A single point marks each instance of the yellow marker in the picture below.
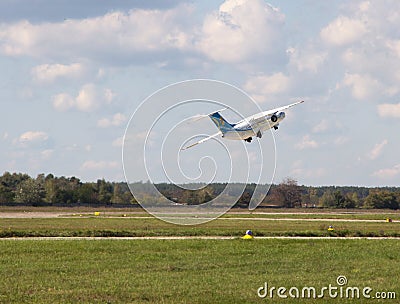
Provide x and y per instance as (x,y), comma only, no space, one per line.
(330,228)
(97,213)
(248,235)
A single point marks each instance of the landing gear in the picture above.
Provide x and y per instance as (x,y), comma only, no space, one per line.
(259,134)
(275,127)
(248,139)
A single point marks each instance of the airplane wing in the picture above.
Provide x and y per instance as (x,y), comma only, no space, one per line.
(201,141)
(201,116)
(273,111)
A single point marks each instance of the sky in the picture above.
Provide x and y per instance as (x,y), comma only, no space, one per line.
(74,72)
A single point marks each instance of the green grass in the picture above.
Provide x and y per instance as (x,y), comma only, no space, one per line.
(189,271)
(105,226)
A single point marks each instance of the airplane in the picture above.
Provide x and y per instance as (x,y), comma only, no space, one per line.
(246,128)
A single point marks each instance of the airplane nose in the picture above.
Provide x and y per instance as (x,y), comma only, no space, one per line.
(282,115)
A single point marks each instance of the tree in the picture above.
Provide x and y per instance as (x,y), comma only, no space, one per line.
(382,200)
(289,193)
(327,199)
(341,201)
(50,190)
(29,191)
(117,195)
(336,199)
(354,198)
(6,194)
(11,181)
(104,191)
(65,193)
(87,194)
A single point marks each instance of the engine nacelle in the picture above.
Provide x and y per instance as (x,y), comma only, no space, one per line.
(277,117)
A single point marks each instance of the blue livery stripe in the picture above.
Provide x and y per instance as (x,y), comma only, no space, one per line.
(221,123)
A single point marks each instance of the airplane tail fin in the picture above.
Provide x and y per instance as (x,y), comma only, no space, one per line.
(220,122)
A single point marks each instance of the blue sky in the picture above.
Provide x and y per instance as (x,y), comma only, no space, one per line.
(73,72)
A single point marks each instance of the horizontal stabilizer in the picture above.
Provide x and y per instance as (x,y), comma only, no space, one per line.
(201,141)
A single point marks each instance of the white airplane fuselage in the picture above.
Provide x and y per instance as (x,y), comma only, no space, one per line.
(254,125)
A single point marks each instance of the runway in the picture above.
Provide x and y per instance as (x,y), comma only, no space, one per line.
(28,215)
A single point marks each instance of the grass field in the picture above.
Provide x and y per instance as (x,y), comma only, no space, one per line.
(118,226)
(190,271)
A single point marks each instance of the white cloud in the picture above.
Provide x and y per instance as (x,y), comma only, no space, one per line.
(321,126)
(150,138)
(46,154)
(108,95)
(117,120)
(15,40)
(240,30)
(138,30)
(306,143)
(100,73)
(364,6)
(342,31)
(370,54)
(387,173)
(33,136)
(260,87)
(63,102)
(89,99)
(389,110)
(377,150)
(118,142)
(362,86)
(306,60)
(302,173)
(32,139)
(341,140)
(298,171)
(50,72)
(394,46)
(99,165)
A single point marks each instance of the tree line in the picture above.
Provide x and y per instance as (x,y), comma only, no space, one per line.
(19,188)
(47,189)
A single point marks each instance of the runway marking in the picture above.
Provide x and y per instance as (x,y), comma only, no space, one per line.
(31,215)
(305,219)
